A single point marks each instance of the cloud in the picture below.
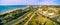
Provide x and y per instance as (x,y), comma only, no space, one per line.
(29,2)
(18,2)
(47,2)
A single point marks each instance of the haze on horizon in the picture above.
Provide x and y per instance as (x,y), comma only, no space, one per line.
(29,2)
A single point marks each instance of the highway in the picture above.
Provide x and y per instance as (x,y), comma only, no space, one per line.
(30,18)
(23,20)
(13,21)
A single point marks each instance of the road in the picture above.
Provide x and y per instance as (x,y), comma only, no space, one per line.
(25,22)
(30,18)
(13,21)
(54,20)
(23,19)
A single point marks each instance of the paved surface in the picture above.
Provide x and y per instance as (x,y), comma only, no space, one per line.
(54,20)
(10,23)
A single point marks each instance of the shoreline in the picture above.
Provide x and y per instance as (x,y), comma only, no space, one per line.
(8,11)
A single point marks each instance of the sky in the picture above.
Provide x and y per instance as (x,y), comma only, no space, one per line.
(29,2)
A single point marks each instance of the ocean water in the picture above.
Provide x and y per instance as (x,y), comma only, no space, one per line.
(10,7)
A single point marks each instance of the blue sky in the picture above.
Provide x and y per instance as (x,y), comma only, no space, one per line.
(29,2)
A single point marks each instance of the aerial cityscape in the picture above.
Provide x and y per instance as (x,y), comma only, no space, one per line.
(29,12)
(32,15)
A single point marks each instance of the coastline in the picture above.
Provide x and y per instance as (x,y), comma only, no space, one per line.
(12,10)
